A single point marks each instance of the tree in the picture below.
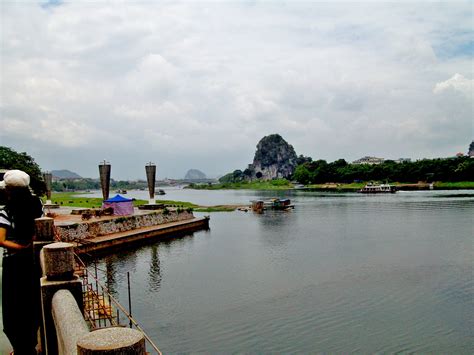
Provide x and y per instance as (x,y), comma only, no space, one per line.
(302,174)
(10,159)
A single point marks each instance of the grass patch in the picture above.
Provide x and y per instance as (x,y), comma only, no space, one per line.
(337,187)
(172,203)
(215,209)
(74,199)
(454,185)
(277,184)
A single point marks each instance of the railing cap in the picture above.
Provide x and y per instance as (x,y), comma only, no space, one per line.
(114,338)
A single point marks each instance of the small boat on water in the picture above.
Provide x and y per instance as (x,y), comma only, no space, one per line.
(378,189)
(121,191)
(160,192)
(272,204)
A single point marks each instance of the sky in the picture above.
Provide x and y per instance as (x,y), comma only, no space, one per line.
(196,85)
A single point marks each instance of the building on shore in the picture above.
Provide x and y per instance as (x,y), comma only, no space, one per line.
(369,160)
(403,160)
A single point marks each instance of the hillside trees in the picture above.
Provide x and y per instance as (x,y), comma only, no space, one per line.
(449,170)
(10,159)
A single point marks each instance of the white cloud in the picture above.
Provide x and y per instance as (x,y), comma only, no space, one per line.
(198,83)
(458,83)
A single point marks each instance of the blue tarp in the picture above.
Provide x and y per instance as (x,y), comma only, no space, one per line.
(118,198)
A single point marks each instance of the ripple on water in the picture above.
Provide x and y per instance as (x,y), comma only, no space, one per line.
(393,311)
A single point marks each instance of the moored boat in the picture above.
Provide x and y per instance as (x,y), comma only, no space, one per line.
(273,204)
(258,206)
(378,188)
(280,204)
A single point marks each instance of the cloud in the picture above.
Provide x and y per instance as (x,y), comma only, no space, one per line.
(197,84)
(457,83)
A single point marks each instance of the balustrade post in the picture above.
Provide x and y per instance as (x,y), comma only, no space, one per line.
(58,262)
(112,341)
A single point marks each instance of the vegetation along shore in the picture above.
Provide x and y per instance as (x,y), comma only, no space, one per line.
(330,186)
(74,199)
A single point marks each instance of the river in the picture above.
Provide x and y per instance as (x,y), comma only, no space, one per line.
(340,273)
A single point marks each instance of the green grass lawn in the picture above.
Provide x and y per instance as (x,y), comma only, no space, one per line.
(454,185)
(74,199)
(337,187)
(358,186)
(278,184)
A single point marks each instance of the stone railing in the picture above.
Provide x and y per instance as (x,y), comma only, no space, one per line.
(91,229)
(63,329)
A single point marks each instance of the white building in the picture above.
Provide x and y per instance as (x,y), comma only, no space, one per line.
(369,160)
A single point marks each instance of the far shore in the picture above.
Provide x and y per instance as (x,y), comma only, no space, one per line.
(332,186)
(354,187)
(74,198)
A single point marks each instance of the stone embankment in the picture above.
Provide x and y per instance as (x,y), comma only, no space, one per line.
(112,232)
(91,229)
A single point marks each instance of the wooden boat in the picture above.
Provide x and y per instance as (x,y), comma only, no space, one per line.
(378,189)
(273,204)
(258,206)
(280,204)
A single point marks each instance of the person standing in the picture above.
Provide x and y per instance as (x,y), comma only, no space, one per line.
(20,284)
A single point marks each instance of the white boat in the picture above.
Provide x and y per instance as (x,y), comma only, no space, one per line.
(378,189)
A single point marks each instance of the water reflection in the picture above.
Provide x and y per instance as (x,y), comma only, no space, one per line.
(111,272)
(154,273)
(114,267)
(341,273)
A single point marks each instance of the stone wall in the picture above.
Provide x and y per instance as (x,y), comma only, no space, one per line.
(87,230)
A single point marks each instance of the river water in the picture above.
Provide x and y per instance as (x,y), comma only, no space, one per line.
(340,273)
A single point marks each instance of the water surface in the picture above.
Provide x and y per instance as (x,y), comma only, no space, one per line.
(340,273)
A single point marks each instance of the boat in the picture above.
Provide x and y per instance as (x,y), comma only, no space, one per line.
(257,206)
(160,192)
(280,204)
(273,204)
(378,189)
(121,191)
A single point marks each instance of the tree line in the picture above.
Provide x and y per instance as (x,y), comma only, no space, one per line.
(94,184)
(429,170)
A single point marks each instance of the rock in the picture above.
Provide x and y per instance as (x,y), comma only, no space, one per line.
(65,174)
(274,159)
(194,174)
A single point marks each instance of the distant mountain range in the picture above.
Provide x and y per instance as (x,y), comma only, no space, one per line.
(65,174)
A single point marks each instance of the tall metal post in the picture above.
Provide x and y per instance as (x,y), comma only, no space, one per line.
(104,171)
(151,178)
(48,179)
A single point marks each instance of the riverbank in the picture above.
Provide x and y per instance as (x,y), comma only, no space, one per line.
(114,241)
(103,233)
(277,184)
(407,186)
(74,199)
(282,184)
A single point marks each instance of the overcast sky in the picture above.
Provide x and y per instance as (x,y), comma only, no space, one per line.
(197,84)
